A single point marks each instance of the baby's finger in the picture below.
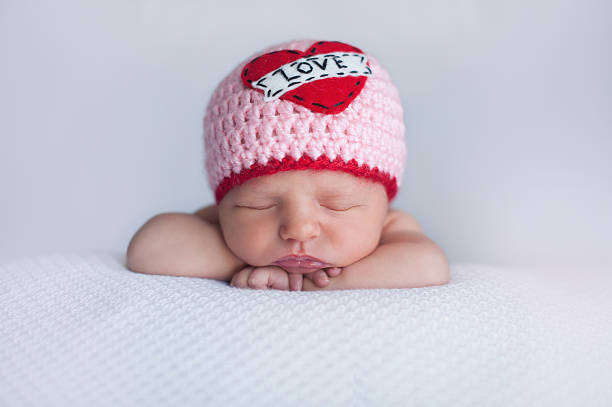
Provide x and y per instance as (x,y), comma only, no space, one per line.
(320,278)
(260,279)
(295,282)
(240,279)
(278,278)
(334,271)
(309,276)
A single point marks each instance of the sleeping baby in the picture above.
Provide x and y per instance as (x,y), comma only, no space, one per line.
(305,151)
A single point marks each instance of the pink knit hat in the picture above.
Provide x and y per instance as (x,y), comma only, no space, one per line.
(305,104)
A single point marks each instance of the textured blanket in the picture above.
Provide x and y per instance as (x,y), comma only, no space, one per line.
(80,329)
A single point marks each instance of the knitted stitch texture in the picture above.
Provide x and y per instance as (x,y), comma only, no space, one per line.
(246,137)
(80,329)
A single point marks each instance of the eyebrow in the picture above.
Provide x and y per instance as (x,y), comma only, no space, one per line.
(327,193)
(340,190)
(339,193)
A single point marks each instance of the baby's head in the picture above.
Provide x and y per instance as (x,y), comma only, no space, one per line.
(304,149)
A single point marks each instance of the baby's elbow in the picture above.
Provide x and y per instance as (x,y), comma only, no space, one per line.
(136,256)
(145,247)
(437,264)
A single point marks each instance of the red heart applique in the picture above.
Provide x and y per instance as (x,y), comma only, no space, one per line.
(328,77)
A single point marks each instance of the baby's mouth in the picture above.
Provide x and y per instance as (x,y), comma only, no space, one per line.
(300,264)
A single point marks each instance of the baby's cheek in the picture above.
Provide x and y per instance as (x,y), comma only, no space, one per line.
(356,241)
(250,243)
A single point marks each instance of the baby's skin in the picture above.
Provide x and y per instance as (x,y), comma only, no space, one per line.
(333,216)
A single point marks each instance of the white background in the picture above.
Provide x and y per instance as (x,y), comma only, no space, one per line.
(507,108)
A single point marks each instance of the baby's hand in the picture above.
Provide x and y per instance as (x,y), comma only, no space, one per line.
(262,278)
(276,277)
(321,277)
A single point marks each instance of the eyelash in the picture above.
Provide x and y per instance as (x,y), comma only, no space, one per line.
(251,207)
(339,210)
(269,207)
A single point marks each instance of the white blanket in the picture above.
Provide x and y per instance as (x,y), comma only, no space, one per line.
(79,329)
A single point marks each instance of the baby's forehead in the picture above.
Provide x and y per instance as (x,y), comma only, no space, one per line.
(327,181)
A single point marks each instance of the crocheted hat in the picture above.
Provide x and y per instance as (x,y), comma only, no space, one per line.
(305,104)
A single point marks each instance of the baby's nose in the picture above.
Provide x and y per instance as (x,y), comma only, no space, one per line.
(300,228)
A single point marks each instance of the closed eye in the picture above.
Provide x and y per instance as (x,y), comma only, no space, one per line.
(335,209)
(254,207)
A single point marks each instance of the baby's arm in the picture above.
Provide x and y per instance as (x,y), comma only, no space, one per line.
(181,244)
(405,258)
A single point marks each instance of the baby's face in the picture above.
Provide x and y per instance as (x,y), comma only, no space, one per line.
(330,215)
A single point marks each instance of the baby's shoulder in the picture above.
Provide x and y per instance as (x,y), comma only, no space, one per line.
(400,226)
(209,213)
(398,221)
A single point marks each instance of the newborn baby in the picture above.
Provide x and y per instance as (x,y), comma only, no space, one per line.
(304,151)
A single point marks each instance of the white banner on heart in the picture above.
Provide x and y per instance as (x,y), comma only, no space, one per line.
(308,69)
